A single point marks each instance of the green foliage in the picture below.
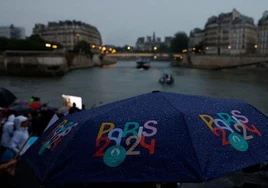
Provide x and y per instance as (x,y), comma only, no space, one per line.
(12,44)
(163,48)
(199,47)
(36,37)
(119,49)
(34,42)
(83,47)
(179,42)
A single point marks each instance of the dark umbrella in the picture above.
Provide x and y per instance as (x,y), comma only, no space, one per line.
(6,97)
(155,137)
(21,109)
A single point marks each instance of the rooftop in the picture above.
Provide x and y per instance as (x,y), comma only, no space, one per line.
(263,19)
(66,22)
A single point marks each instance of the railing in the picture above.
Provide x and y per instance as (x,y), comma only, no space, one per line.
(30,53)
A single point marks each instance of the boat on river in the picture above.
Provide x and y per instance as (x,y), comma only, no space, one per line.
(166,79)
(143,63)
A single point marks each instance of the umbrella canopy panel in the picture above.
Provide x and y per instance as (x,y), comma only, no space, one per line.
(6,97)
(156,137)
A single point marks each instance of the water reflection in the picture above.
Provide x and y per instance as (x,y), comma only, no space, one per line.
(123,80)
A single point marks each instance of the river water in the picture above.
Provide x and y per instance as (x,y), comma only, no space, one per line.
(123,80)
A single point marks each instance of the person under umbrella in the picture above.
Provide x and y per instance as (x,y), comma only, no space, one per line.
(35,103)
(20,135)
(74,109)
(8,168)
(40,123)
(1,115)
(7,133)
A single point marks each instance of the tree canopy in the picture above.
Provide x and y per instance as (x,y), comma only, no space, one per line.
(179,42)
(34,42)
(36,37)
(83,46)
(13,44)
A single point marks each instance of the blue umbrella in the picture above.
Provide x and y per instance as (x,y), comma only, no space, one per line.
(155,137)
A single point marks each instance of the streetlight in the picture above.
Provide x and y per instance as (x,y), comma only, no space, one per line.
(128,48)
(93,46)
(155,48)
(77,37)
(54,46)
(255,48)
(48,45)
(229,47)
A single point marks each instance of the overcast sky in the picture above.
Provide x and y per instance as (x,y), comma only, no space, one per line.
(121,22)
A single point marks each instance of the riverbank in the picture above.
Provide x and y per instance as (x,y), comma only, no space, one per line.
(219,62)
(47,63)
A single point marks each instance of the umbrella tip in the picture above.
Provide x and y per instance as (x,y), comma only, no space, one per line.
(155,91)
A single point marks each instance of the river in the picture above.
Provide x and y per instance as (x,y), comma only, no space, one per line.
(123,80)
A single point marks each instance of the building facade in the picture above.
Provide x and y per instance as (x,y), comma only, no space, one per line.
(243,36)
(69,33)
(196,37)
(167,41)
(140,44)
(152,43)
(12,32)
(230,33)
(262,44)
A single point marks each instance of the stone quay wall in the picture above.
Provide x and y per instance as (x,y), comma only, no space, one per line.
(221,62)
(40,63)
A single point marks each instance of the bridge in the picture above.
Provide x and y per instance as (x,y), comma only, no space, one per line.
(199,61)
(153,56)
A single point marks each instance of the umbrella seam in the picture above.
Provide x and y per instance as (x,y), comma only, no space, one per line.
(56,158)
(252,155)
(67,144)
(190,137)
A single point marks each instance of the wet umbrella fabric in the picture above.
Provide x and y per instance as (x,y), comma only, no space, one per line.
(155,137)
(6,97)
(21,109)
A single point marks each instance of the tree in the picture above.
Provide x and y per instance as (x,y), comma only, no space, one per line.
(3,43)
(163,48)
(36,37)
(199,47)
(179,42)
(119,49)
(13,44)
(84,47)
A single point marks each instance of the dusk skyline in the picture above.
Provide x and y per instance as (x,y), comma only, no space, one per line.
(121,22)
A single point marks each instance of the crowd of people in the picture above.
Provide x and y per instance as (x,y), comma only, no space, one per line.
(16,129)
